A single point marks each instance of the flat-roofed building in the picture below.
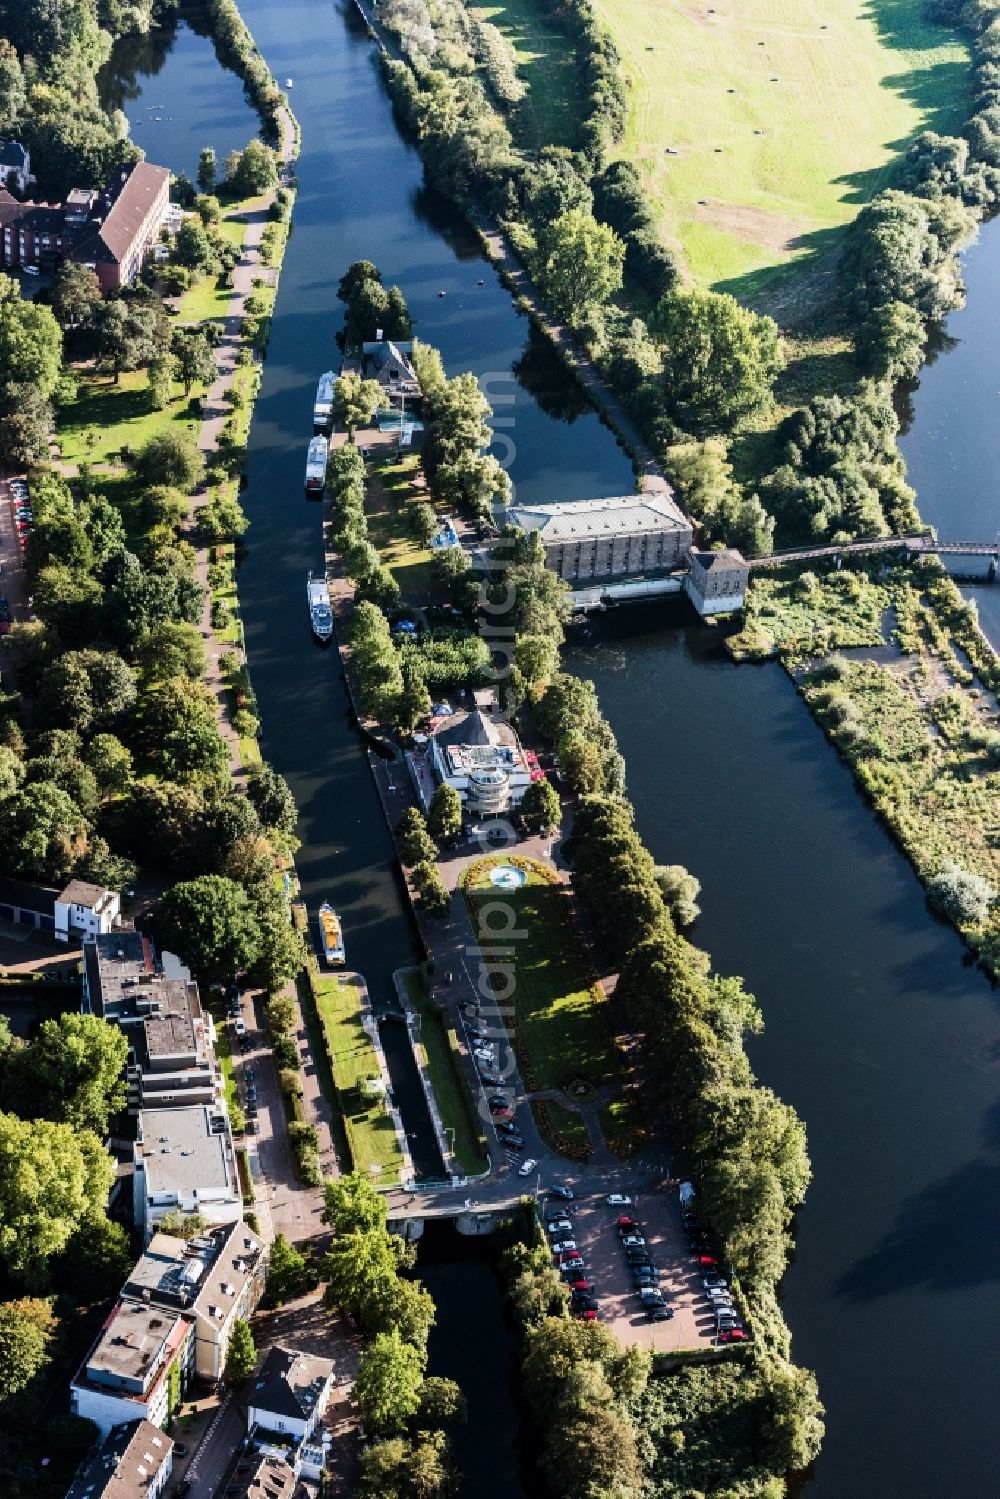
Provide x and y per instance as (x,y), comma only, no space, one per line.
(621,536)
(133,1462)
(481,758)
(137,1369)
(217,1278)
(183,1159)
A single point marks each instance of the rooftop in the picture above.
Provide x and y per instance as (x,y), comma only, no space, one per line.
(262,1477)
(135,1343)
(94,897)
(619,515)
(206,1274)
(125,205)
(474,741)
(13,154)
(31,897)
(290,1383)
(722,561)
(128,1458)
(185,1150)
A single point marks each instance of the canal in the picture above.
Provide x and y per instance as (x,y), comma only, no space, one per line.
(877,1030)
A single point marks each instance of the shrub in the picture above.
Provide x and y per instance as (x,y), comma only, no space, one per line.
(963,897)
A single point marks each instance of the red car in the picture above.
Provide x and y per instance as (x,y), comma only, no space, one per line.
(581,1285)
(732,1335)
(588,1316)
(707,1259)
(626,1222)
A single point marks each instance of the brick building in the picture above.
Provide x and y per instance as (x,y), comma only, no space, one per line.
(610,538)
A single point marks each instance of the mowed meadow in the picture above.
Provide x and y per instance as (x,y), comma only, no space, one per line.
(762,125)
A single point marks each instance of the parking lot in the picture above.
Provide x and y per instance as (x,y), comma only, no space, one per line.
(678,1273)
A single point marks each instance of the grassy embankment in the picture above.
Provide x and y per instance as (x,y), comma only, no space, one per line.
(438,1049)
(391,488)
(550,113)
(919,725)
(371,1133)
(561,1029)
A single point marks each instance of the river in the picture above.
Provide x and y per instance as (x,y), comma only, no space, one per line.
(877,1030)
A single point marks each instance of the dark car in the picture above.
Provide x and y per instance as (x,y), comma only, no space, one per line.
(584,1303)
(657,1313)
(249,1072)
(251,1109)
(563,1193)
(512,1142)
(251,1093)
(490,1078)
(505,1128)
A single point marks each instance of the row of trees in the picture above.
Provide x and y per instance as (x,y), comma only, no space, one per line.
(345,477)
(403,1411)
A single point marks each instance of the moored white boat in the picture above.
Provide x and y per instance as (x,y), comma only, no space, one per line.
(323,405)
(316,465)
(331,935)
(320,610)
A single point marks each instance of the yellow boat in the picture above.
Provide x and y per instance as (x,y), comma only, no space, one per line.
(330,935)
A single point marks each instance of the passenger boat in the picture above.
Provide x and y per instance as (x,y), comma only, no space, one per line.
(330,935)
(320,612)
(316,465)
(323,405)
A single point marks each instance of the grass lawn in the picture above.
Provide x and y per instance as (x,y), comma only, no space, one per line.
(106,417)
(206,298)
(563,1128)
(370,1131)
(551,112)
(454,1102)
(389,490)
(560,1026)
(785,115)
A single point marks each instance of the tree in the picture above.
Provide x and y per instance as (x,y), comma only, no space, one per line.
(207,169)
(195,360)
(414,700)
(181,1225)
(170,458)
(76,294)
(41,831)
(415,843)
(352,1205)
(423,522)
(193,248)
(253,172)
(680,891)
(432,893)
(408,1469)
(26,421)
(580,263)
(211,924)
(286,1271)
(595,1453)
(541,808)
(441,1403)
(537,659)
(242,1354)
(130,334)
(720,360)
(30,342)
(444,816)
(269,793)
(12,90)
(355,401)
(96,1260)
(965,898)
(387,1388)
(74,1071)
(891,341)
(26,1331)
(899,250)
(51,1178)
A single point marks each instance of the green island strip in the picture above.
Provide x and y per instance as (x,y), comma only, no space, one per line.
(354,1066)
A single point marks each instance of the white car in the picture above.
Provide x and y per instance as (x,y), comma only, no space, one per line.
(715,1283)
(564,1246)
(560,1226)
(634,1241)
(241,1027)
(618,1200)
(526,1167)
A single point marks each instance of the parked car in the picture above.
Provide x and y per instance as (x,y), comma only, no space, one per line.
(624,1223)
(506,1128)
(251,1110)
(657,1313)
(251,1093)
(582,1285)
(715,1282)
(241,1026)
(563,1193)
(512,1142)
(634,1241)
(498,1100)
(560,1226)
(708,1260)
(503,1116)
(565,1246)
(491,1079)
(588,1316)
(573,1262)
(250,1072)
(650,1293)
(527,1167)
(732,1335)
(618,1200)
